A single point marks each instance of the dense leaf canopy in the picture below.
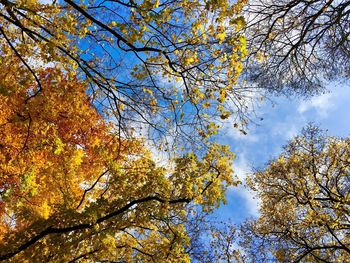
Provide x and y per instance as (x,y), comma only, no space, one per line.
(72,188)
(166,68)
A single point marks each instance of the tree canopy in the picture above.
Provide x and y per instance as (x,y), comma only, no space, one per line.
(303,209)
(305,203)
(89,90)
(296,46)
(72,189)
(167,67)
(92,91)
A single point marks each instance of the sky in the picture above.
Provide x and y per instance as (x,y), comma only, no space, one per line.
(282,120)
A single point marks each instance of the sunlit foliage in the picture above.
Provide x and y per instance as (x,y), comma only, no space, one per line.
(72,189)
(169,68)
(305,203)
(89,90)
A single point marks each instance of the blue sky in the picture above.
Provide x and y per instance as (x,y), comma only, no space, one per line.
(281,122)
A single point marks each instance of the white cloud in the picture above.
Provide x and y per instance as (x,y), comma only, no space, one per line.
(322,104)
(287,129)
(251,201)
(242,169)
(236,135)
(45,2)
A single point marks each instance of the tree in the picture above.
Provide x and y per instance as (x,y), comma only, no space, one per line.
(305,205)
(295,46)
(167,69)
(79,82)
(224,244)
(72,189)
(213,240)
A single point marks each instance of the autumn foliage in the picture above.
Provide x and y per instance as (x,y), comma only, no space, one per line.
(70,184)
(305,202)
(92,92)
(88,92)
(50,142)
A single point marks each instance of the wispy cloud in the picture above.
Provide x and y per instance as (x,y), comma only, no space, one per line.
(235,134)
(322,104)
(242,169)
